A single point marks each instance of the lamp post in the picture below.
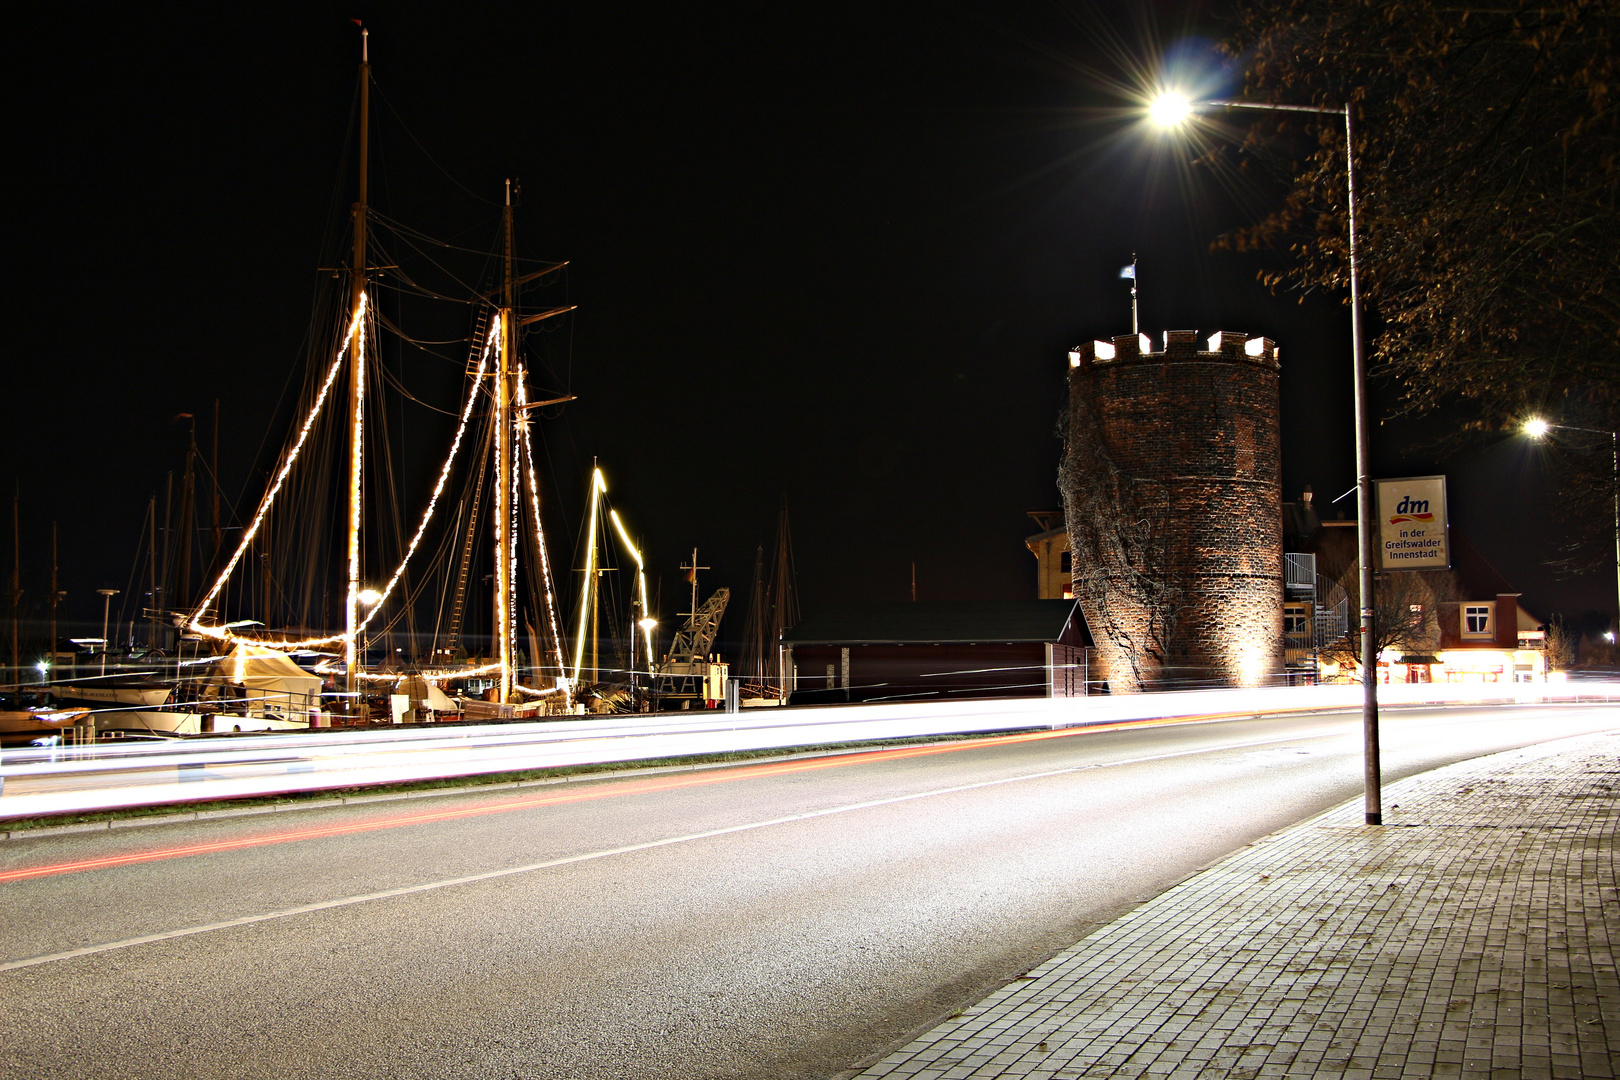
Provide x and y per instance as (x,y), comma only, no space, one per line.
(1537,429)
(106,609)
(1172,110)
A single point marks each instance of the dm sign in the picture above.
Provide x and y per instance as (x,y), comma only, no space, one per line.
(1412,524)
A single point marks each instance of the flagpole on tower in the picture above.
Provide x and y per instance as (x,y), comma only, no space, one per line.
(1135,327)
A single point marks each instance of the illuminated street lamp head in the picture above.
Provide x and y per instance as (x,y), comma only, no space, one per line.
(1169,109)
(1536,428)
(368,597)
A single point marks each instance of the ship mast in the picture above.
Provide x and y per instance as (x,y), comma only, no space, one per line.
(357,383)
(505,504)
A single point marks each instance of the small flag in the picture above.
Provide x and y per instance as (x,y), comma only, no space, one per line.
(1128,272)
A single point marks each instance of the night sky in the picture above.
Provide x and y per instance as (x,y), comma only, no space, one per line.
(832,252)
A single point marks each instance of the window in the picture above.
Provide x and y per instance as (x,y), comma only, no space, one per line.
(1295,619)
(1066,562)
(1477,620)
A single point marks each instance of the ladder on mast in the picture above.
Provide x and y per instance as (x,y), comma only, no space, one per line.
(458,605)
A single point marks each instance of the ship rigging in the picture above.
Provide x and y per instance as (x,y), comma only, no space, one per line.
(491,454)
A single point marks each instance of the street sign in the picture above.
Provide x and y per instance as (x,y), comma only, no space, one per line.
(1412,524)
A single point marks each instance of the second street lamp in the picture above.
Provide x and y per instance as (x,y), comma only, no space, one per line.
(1171,110)
(1538,429)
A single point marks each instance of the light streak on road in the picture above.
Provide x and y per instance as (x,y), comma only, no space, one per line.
(619,790)
(530,803)
(57,780)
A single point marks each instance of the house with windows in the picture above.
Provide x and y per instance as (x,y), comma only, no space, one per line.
(1467,623)
(1480,638)
(1054,566)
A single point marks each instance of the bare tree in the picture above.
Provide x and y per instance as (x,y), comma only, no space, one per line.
(1561,644)
(1406,612)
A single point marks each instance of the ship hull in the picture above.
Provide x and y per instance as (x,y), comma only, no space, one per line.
(146,695)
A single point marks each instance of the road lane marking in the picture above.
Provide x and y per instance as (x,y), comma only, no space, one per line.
(589,856)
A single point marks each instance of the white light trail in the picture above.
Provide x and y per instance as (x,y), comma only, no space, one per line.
(57,780)
(598,487)
(641,578)
(220,632)
(514,517)
(540,532)
(351,611)
(225,633)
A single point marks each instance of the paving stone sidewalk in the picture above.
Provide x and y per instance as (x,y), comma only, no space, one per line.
(1471,936)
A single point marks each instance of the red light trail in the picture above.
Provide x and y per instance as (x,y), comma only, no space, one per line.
(630,787)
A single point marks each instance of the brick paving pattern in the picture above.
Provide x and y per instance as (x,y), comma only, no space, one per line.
(1470,937)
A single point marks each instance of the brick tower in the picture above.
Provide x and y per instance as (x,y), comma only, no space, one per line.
(1171,485)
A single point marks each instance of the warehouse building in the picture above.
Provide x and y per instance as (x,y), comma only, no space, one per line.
(940,650)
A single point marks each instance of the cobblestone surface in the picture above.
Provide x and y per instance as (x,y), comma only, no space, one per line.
(1471,936)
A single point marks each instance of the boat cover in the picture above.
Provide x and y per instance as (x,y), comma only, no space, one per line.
(258,667)
(425,694)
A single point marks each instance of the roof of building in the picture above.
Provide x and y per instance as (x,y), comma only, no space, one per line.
(937,622)
(1480,580)
(1031,541)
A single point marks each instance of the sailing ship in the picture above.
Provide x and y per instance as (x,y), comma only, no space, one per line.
(491,458)
(255,647)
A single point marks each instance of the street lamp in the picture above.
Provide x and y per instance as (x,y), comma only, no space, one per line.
(1171,110)
(1537,428)
(106,608)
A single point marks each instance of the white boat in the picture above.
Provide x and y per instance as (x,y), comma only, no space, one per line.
(122,692)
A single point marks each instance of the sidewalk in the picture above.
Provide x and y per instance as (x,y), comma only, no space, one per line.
(1472,936)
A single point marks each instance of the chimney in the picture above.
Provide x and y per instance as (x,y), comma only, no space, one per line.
(1507,620)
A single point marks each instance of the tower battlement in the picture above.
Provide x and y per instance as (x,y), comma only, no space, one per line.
(1177,345)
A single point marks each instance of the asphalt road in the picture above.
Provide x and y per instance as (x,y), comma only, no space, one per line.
(660,926)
